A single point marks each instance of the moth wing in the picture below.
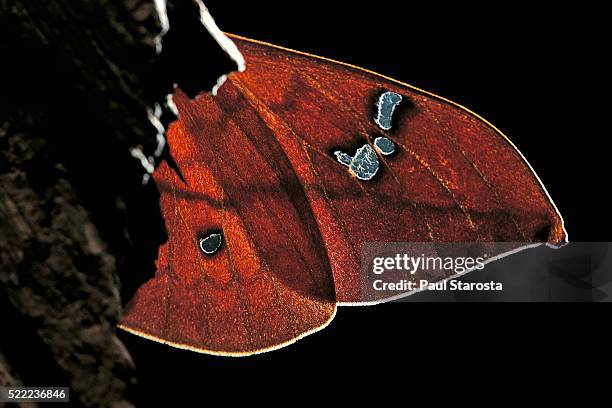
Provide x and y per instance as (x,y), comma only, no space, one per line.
(261,166)
(452,178)
(270,281)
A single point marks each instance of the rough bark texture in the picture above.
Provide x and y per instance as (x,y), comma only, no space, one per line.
(82,81)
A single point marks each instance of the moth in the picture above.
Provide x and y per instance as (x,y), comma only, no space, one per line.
(288,170)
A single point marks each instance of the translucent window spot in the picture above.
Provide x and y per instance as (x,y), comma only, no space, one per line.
(343,158)
(384,146)
(211,243)
(365,163)
(386,104)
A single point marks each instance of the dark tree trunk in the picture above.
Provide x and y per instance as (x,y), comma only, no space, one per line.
(83,97)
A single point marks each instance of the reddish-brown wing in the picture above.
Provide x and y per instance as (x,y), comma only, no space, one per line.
(260,167)
(270,281)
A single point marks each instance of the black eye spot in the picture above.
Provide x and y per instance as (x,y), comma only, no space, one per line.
(211,243)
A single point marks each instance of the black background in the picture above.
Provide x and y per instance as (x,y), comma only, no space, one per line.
(534,72)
